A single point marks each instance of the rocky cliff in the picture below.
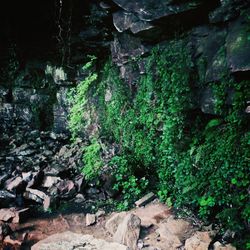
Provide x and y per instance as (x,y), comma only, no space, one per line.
(41,53)
(177,79)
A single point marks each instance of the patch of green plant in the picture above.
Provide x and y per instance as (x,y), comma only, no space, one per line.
(78,100)
(190,159)
(92,161)
(131,186)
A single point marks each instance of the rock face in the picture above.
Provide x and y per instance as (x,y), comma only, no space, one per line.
(70,241)
(150,10)
(128,231)
(216,32)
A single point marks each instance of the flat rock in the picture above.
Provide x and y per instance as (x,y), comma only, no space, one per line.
(152,214)
(145,199)
(128,231)
(177,227)
(70,241)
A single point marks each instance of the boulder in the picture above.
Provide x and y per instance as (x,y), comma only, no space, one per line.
(114,221)
(128,231)
(199,241)
(70,241)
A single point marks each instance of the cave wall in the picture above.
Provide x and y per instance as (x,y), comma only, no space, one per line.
(44,46)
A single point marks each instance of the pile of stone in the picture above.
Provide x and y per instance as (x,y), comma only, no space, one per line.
(40,170)
(150,227)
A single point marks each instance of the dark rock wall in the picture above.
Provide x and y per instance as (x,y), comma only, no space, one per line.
(45,43)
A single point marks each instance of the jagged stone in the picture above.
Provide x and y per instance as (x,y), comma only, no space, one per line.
(150,10)
(90,219)
(49,181)
(199,241)
(126,47)
(128,21)
(113,222)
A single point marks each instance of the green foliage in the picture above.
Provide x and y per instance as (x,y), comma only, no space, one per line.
(78,99)
(92,160)
(188,158)
(131,186)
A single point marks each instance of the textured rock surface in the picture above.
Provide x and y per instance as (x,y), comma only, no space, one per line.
(113,222)
(70,241)
(199,241)
(128,231)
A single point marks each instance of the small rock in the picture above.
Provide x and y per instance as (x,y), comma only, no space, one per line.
(79,198)
(14,183)
(145,199)
(199,241)
(6,214)
(128,231)
(90,219)
(219,246)
(49,181)
(66,188)
(100,213)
